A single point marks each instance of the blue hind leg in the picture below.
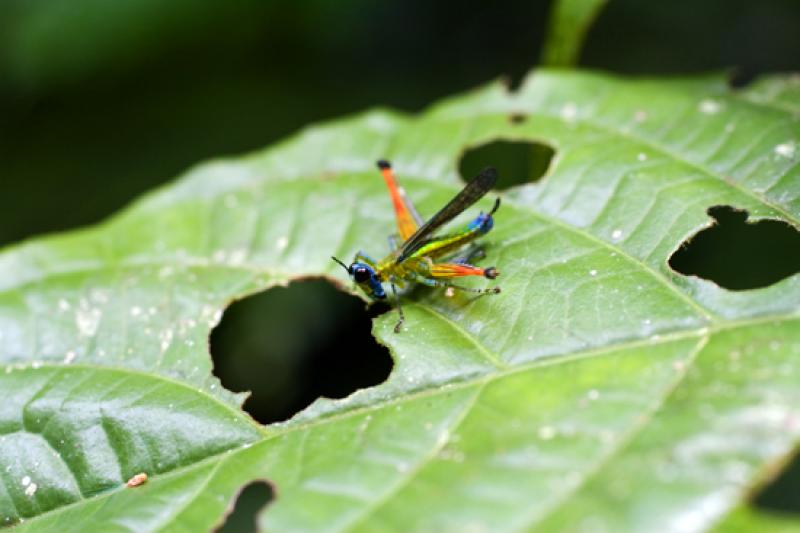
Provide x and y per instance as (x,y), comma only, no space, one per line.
(473,254)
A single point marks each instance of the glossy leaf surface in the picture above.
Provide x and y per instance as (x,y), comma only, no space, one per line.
(600,390)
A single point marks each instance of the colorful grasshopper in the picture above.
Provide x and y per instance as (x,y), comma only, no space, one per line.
(413,260)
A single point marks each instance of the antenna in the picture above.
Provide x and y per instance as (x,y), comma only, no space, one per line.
(343,265)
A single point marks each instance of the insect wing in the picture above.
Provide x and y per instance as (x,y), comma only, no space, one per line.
(474,191)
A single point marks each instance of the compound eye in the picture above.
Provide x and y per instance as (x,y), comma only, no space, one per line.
(360,274)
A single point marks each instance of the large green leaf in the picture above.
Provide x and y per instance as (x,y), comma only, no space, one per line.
(600,391)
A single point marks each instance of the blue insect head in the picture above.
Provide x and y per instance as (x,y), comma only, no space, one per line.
(365,277)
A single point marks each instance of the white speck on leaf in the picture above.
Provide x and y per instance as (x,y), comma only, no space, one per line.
(569,111)
(237,257)
(166,339)
(63,305)
(87,321)
(787,149)
(30,490)
(616,234)
(709,106)
(69,357)
(547,432)
(136,310)
(593,272)
(642,156)
(26,481)
(282,243)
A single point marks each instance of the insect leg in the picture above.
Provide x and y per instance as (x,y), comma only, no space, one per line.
(361,257)
(440,274)
(448,285)
(458,270)
(394,242)
(473,253)
(407,218)
(399,310)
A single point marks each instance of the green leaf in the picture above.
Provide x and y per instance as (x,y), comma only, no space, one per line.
(70,432)
(600,390)
(567,28)
(750,520)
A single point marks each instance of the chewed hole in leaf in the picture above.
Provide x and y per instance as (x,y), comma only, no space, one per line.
(517,162)
(291,345)
(243,518)
(741,77)
(740,255)
(783,493)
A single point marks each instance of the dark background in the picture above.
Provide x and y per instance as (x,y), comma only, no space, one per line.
(102,100)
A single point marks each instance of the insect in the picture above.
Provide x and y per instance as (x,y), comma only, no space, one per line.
(414,250)
(138,479)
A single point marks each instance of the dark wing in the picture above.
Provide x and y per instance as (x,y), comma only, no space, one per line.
(474,191)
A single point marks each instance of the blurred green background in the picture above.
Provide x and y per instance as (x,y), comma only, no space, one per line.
(102,100)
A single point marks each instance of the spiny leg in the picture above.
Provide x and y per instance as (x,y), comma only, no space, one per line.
(448,285)
(399,310)
(458,270)
(407,218)
(440,275)
(472,254)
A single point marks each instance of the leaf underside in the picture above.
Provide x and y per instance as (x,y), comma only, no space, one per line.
(599,391)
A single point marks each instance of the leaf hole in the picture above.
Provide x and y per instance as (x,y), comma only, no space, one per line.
(517,118)
(251,500)
(741,77)
(782,494)
(517,162)
(737,254)
(291,345)
(513,81)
